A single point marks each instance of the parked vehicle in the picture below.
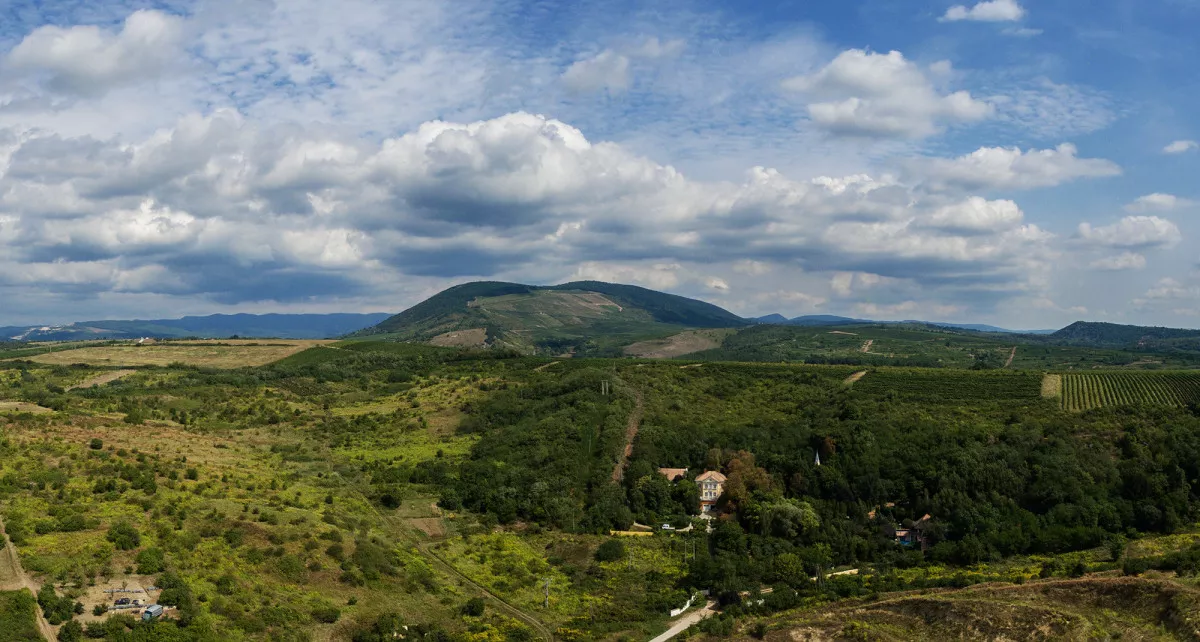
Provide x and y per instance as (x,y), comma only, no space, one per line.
(122,601)
(152,612)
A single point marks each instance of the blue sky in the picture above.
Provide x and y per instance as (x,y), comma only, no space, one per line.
(1025,164)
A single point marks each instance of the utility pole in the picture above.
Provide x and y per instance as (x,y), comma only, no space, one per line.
(604,388)
(546,604)
(631,560)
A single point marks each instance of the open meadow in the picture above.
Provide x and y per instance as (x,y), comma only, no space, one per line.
(208,354)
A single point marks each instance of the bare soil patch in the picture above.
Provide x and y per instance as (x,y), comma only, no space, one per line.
(853,334)
(208,354)
(431,526)
(1011,355)
(854,377)
(677,345)
(101,379)
(461,338)
(10,571)
(134,587)
(1052,386)
(867,346)
(595,300)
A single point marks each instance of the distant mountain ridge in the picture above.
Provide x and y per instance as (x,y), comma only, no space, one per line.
(829,319)
(1101,334)
(280,326)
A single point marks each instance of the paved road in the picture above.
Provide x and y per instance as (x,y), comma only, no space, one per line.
(686,620)
(20,579)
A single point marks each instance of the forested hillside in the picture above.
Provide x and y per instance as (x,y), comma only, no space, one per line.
(1112,335)
(586,318)
(928,346)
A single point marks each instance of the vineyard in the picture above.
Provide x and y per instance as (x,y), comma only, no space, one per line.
(938,385)
(1094,390)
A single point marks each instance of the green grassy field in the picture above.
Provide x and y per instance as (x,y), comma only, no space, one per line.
(208,354)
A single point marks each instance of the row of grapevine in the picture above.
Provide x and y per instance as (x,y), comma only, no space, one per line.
(1083,391)
(934,385)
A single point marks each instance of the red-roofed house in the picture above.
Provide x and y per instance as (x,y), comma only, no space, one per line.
(712,484)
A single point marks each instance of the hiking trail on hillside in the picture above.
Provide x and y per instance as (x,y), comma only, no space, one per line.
(631,429)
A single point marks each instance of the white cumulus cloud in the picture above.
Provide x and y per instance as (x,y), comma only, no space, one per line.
(87,59)
(1158,202)
(303,214)
(1132,232)
(976,214)
(1181,146)
(863,93)
(988,11)
(1011,168)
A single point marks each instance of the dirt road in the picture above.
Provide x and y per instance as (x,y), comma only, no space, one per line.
(14,578)
(851,571)
(867,346)
(1010,357)
(542,629)
(854,377)
(101,379)
(686,620)
(546,365)
(631,429)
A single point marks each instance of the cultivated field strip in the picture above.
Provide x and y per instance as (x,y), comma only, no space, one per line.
(937,385)
(1084,391)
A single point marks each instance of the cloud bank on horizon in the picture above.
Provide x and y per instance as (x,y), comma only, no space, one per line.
(991,162)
